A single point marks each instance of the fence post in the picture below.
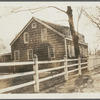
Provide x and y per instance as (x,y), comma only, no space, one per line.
(88,63)
(36,76)
(65,69)
(79,65)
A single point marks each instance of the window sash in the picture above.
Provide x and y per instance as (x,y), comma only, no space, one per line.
(71,51)
(16,56)
(33,25)
(30,54)
(44,34)
(51,52)
(26,37)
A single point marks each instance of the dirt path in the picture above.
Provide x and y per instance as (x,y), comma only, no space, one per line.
(69,86)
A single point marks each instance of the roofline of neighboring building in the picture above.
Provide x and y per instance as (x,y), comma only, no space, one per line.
(79,41)
(6,54)
(40,21)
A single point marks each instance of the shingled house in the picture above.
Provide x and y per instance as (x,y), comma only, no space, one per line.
(47,40)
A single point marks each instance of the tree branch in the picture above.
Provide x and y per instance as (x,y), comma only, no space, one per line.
(79,16)
(91,19)
(57,9)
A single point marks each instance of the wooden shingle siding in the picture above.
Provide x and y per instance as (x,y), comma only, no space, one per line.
(39,47)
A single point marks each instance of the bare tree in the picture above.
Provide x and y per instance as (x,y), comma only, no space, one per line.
(79,11)
(2,46)
(96,46)
(94,18)
(73,32)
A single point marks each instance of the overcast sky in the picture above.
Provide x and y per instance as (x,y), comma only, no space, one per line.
(12,23)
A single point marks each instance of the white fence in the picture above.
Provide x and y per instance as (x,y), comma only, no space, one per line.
(93,61)
(36,72)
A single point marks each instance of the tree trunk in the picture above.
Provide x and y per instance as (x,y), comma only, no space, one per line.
(73,33)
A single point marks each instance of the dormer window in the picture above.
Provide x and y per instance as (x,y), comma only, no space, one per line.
(33,25)
(44,34)
(26,37)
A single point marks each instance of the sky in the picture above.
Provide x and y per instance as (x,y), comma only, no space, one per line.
(12,23)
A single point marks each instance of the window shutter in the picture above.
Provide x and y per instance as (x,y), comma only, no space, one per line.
(73,52)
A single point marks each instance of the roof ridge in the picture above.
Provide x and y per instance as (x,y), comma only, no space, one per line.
(18,34)
(51,22)
(54,24)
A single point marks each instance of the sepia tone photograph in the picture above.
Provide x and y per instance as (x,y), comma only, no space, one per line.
(49,47)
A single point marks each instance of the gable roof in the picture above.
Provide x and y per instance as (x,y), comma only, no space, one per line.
(5,54)
(49,26)
(58,29)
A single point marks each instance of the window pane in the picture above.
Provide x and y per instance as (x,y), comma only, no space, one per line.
(44,34)
(51,52)
(73,52)
(30,54)
(33,25)
(69,50)
(16,54)
(26,37)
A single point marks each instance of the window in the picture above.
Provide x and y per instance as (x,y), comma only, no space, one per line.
(30,54)
(71,50)
(44,34)
(26,37)
(16,56)
(81,37)
(81,50)
(51,52)
(86,52)
(33,25)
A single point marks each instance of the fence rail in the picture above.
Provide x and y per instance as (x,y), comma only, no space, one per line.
(16,63)
(16,75)
(36,71)
(16,87)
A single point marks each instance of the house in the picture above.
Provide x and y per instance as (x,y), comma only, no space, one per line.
(49,41)
(6,57)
